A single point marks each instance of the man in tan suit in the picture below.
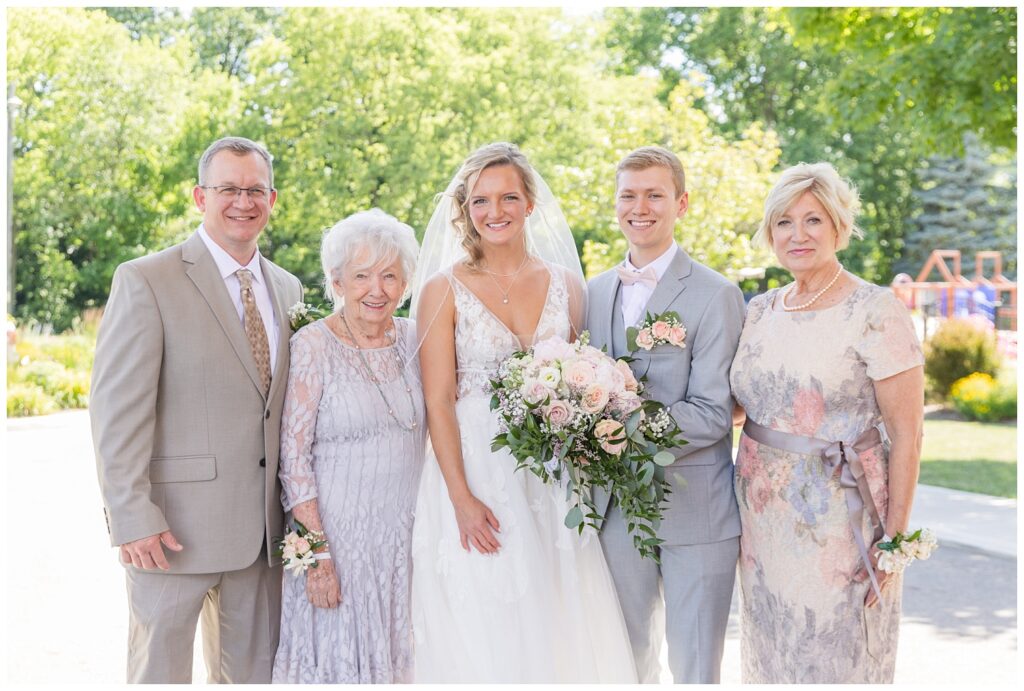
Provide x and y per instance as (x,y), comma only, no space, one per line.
(187,390)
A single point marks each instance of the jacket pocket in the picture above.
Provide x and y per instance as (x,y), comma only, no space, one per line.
(182,469)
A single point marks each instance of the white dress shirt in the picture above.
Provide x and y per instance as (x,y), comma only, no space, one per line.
(227,265)
(635,297)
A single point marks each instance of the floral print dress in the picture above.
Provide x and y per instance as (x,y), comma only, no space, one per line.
(803,618)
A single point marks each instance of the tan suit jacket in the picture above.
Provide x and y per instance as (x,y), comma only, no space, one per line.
(184,438)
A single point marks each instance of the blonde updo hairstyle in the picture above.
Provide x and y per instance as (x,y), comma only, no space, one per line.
(836,194)
(489,156)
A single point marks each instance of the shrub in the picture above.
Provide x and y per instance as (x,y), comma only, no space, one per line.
(74,352)
(982,398)
(69,389)
(956,350)
(24,399)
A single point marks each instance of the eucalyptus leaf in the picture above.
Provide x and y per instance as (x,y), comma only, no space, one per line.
(574,518)
(664,458)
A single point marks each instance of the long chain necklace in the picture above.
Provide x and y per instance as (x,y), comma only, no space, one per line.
(795,308)
(408,427)
(514,275)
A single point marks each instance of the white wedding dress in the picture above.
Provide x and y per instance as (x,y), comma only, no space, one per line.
(543,608)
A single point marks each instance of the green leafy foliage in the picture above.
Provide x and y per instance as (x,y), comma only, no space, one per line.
(980,397)
(957,349)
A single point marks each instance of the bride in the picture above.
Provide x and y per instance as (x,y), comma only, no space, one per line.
(502,590)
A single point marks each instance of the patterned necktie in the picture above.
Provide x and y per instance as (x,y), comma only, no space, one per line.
(254,330)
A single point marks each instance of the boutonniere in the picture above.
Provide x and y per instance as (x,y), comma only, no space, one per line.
(302,313)
(657,329)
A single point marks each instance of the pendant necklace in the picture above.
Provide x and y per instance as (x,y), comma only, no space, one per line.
(407,426)
(514,275)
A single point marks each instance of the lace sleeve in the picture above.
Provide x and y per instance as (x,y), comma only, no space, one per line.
(298,421)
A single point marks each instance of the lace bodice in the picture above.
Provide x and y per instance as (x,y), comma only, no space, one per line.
(482,340)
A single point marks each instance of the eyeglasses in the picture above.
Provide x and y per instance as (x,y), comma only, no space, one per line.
(232,192)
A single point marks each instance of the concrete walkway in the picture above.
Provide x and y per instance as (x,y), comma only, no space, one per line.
(67,619)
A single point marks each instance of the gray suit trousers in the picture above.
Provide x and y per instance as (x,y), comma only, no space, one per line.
(697,582)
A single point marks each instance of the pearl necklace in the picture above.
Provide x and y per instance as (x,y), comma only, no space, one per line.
(409,426)
(795,308)
(514,274)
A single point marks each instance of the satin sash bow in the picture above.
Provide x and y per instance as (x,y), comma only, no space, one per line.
(845,457)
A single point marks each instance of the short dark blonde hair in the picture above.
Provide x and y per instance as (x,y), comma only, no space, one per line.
(239,146)
(649,156)
(489,156)
(835,193)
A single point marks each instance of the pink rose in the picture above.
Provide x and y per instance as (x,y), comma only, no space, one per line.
(595,398)
(557,413)
(645,339)
(579,374)
(534,392)
(554,348)
(612,435)
(660,330)
(302,545)
(593,355)
(677,336)
(626,403)
(627,375)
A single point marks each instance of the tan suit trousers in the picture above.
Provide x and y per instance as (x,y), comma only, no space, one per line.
(241,614)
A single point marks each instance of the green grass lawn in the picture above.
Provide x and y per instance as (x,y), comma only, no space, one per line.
(970,456)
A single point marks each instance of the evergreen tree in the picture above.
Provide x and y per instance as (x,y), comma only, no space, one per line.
(966,203)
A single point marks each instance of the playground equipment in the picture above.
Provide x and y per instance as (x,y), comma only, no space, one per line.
(956,295)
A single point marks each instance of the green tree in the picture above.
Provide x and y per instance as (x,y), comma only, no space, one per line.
(967,203)
(938,72)
(759,74)
(89,149)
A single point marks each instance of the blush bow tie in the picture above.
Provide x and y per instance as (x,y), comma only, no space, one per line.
(646,277)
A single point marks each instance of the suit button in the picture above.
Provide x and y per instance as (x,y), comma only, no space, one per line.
(263,463)
(266,415)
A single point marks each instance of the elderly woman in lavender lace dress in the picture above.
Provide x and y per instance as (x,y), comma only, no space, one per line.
(352,445)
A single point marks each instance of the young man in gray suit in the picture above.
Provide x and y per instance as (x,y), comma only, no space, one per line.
(187,390)
(701,525)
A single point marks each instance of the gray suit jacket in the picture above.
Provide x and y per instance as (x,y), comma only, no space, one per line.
(693,382)
(184,438)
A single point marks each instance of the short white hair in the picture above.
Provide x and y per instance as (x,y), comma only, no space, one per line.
(837,195)
(384,236)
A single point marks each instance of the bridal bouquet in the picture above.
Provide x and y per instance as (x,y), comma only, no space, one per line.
(574,416)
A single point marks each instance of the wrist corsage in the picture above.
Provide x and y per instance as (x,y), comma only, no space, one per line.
(296,549)
(901,550)
(657,330)
(302,313)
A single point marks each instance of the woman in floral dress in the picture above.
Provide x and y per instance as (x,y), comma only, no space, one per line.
(821,364)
